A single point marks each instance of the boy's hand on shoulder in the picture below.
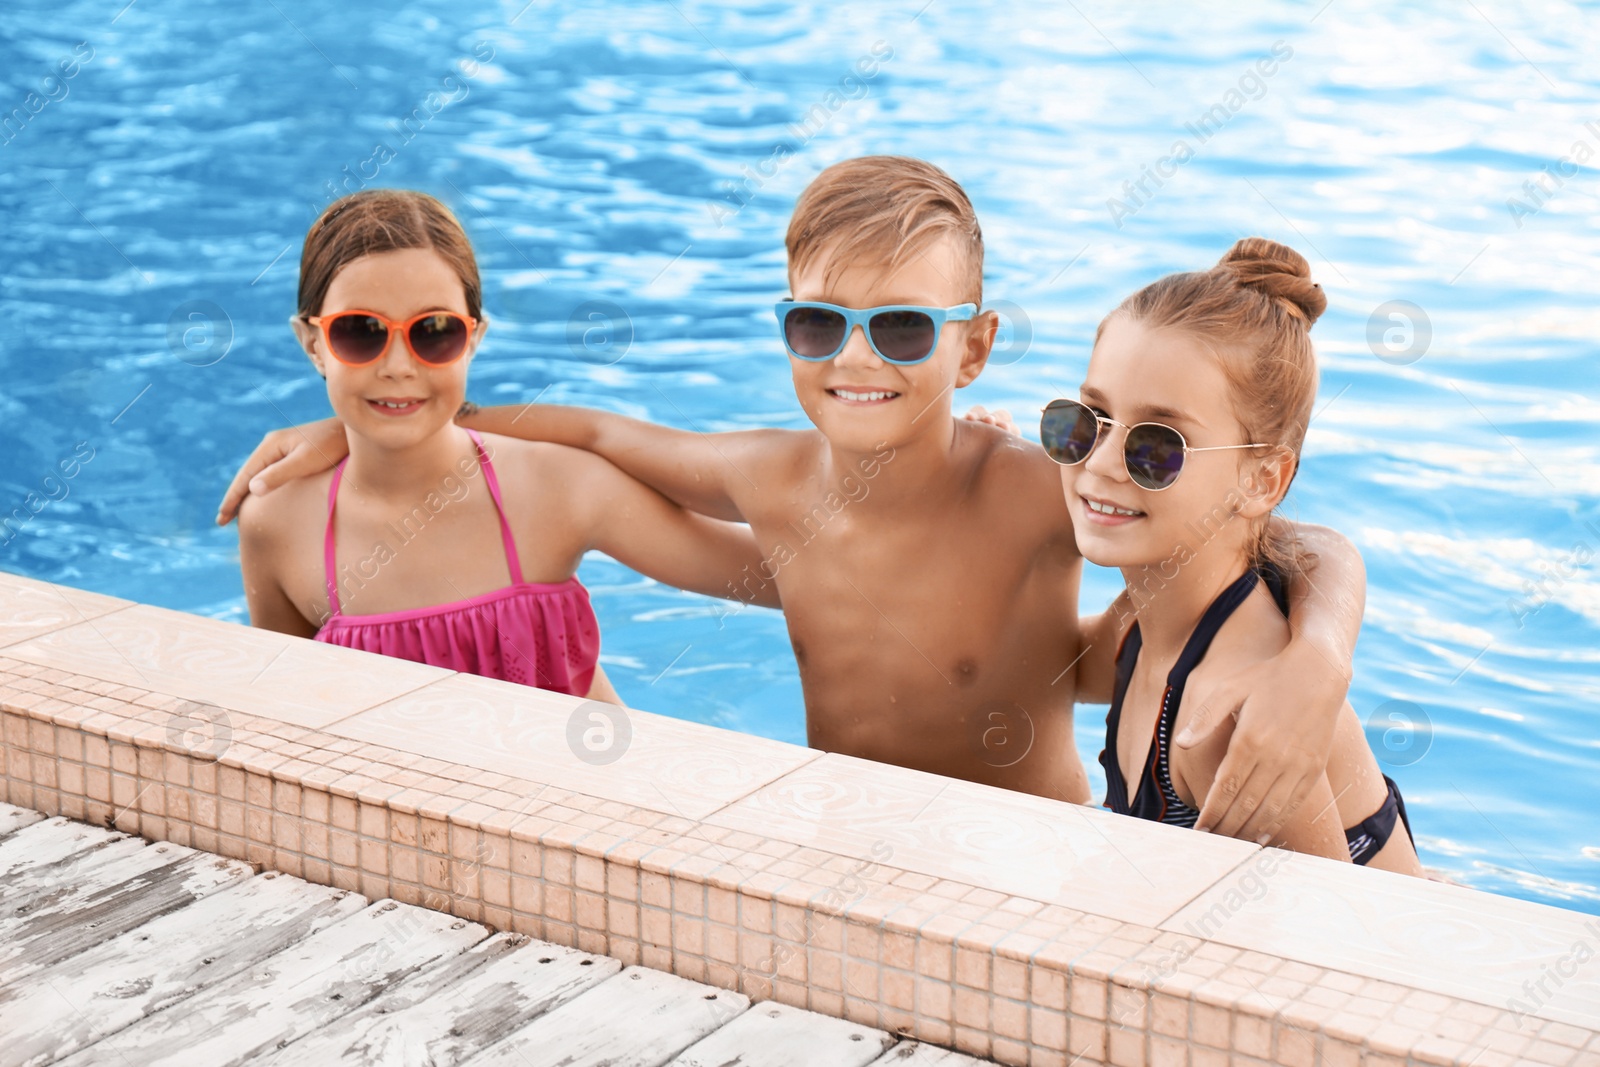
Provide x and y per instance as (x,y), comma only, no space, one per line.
(1286,709)
(281,457)
(1000,418)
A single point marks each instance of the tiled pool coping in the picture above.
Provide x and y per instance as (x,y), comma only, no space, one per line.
(1008,926)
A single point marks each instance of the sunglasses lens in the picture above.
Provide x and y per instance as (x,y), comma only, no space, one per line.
(1155,455)
(1068,430)
(439,338)
(903,336)
(357,338)
(813,333)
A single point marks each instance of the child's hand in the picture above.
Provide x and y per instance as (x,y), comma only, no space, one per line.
(1000,418)
(1273,759)
(281,457)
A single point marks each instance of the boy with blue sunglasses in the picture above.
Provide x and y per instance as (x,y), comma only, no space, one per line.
(927,565)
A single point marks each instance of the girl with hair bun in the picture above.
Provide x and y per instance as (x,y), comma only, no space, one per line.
(431,542)
(1184,439)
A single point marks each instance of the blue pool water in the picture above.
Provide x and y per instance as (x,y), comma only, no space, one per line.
(625,154)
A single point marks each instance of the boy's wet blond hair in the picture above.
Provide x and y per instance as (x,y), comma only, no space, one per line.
(885,209)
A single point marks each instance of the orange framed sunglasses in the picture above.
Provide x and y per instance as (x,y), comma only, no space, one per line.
(358,337)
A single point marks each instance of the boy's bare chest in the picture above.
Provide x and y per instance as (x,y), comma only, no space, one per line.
(957,597)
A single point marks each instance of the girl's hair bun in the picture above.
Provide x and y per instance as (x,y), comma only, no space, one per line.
(1279,272)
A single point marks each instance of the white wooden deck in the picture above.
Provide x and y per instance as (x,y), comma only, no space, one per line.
(120,952)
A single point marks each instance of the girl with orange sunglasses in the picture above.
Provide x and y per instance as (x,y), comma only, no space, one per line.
(430,542)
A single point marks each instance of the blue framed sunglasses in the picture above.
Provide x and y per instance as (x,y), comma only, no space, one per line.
(899,333)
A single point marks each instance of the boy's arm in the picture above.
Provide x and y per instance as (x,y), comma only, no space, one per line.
(1286,707)
(281,457)
(1313,828)
(707,473)
(696,470)
(640,528)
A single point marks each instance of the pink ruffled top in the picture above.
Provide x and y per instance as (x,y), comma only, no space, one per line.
(542,634)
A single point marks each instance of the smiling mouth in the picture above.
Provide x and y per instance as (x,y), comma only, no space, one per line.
(863,396)
(395,407)
(1101,507)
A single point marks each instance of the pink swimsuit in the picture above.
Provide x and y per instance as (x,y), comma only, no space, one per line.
(536,633)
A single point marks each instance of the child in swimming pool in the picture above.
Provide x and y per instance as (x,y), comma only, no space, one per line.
(1184,438)
(431,542)
(927,564)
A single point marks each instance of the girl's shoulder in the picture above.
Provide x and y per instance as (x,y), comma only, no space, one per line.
(1256,632)
(289,506)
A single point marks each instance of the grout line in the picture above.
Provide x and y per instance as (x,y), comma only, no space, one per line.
(1255,855)
(36,634)
(328,728)
(812,755)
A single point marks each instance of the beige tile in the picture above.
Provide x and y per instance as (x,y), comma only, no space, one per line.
(1008,842)
(1409,931)
(238,668)
(670,766)
(30,608)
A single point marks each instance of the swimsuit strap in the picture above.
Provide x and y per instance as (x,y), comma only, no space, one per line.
(1119,792)
(1194,650)
(1157,761)
(513,561)
(1206,630)
(327,541)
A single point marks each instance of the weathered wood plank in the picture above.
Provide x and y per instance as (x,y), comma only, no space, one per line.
(453,1011)
(13,818)
(50,842)
(916,1054)
(28,888)
(95,902)
(291,993)
(50,867)
(640,1018)
(777,1035)
(98,992)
